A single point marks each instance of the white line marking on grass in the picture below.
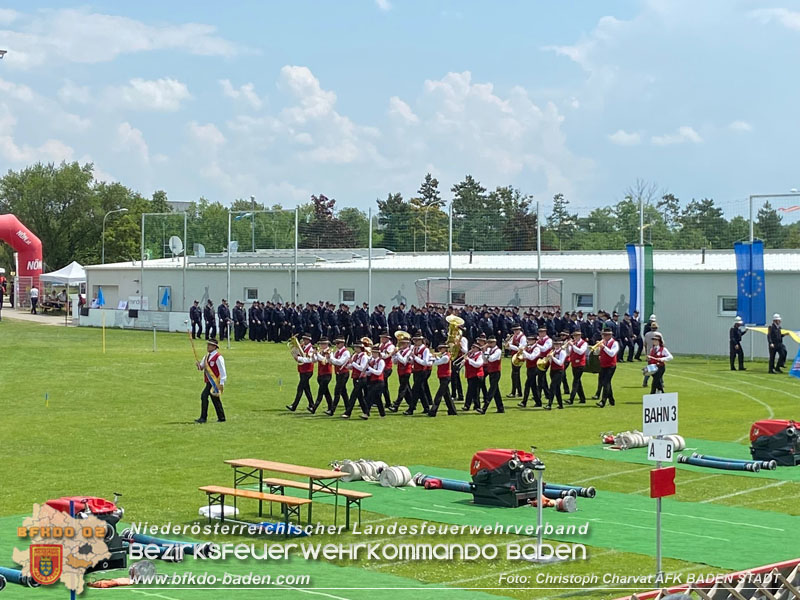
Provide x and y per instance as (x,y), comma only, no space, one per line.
(517,570)
(316,593)
(780,499)
(581,481)
(650,528)
(708,519)
(154,595)
(735,391)
(747,491)
(441,512)
(742,382)
(377,520)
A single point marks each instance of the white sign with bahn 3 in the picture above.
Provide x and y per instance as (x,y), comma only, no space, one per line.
(660,414)
(659,450)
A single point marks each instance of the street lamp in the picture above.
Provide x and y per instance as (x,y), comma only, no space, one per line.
(792,194)
(111,212)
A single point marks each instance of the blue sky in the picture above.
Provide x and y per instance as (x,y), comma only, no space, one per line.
(357,99)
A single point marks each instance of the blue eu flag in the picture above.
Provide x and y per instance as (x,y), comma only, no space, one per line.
(750,283)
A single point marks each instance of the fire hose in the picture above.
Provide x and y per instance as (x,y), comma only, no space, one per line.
(15,576)
(767,465)
(727,465)
(583,492)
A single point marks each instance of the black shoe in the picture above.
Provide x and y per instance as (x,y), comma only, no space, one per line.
(742,369)
(291,408)
(630,360)
(480,411)
(407,413)
(582,401)
(392,408)
(639,359)
(221,420)
(560,407)
(600,404)
(511,395)
(773,372)
(431,414)
(465,407)
(388,406)
(312,409)
(779,370)
(595,397)
(329,413)
(548,407)
(502,410)
(733,368)
(537,405)
(522,404)
(363,416)
(611,403)
(345,416)
(570,401)
(199,420)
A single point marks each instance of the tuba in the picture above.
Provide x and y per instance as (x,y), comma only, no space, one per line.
(294,347)
(454,334)
(517,358)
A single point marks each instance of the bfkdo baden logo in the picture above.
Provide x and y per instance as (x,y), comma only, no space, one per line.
(46,562)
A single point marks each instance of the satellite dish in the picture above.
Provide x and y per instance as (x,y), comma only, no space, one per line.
(234,247)
(199,250)
(175,245)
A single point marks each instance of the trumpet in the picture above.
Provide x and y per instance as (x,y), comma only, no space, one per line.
(325,354)
(596,347)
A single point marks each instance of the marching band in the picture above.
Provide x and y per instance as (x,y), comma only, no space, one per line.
(547,360)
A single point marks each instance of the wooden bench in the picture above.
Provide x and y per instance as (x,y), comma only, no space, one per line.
(350,496)
(289,504)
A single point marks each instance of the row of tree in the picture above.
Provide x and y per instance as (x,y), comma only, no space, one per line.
(66,207)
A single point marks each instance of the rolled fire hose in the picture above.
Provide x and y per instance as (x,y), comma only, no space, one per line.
(395,477)
(766,465)
(725,465)
(368,470)
(556,494)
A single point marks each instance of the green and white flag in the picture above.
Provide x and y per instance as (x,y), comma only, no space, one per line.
(640,261)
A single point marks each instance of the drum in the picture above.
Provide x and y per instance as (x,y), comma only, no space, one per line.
(649,369)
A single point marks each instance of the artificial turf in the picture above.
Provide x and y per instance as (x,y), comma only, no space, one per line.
(77,421)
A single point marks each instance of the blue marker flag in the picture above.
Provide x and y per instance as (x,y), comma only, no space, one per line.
(100,299)
(751,297)
(165,297)
(795,370)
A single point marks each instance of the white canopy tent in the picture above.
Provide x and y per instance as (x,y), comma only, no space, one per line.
(72,274)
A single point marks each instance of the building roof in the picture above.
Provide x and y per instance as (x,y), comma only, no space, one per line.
(711,261)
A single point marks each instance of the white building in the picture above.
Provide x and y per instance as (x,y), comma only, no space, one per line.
(695,292)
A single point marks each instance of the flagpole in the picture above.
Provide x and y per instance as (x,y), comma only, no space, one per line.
(104,331)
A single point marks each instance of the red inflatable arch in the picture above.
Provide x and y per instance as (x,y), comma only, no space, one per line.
(27,245)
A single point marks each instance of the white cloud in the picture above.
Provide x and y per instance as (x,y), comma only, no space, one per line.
(78,35)
(740,127)
(130,139)
(384,5)
(623,138)
(401,110)
(7,16)
(70,92)
(246,93)
(16,91)
(52,150)
(683,134)
(788,18)
(208,134)
(164,94)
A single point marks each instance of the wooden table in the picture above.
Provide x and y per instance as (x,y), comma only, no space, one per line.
(319,480)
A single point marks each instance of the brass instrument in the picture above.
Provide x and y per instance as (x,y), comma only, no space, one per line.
(402,336)
(454,334)
(544,362)
(325,355)
(367,346)
(517,358)
(507,341)
(295,347)
(596,348)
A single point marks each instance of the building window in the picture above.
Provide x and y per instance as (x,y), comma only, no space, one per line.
(347,297)
(459,298)
(251,293)
(583,301)
(726,306)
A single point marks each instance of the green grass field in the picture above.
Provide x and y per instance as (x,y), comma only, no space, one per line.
(123,422)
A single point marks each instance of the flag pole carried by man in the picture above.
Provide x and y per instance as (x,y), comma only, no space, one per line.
(214,375)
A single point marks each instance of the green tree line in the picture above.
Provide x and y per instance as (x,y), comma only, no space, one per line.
(65,206)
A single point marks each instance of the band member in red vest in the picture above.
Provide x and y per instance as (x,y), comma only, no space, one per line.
(473,368)
(564,340)
(577,351)
(213,367)
(531,375)
(376,367)
(457,363)
(404,360)
(305,368)
(386,349)
(359,368)
(421,372)
(558,360)
(608,364)
(324,373)
(340,359)
(494,358)
(543,347)
(517,341)
(658,356)
(444,371)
